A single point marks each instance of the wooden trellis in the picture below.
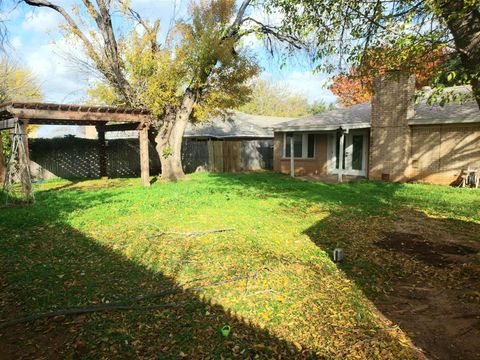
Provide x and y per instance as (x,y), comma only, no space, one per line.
(18,180)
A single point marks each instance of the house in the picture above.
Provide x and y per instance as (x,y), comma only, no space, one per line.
(392,138)
(241,142)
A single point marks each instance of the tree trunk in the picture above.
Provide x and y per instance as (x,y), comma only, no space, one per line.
(169,138)
(464,23)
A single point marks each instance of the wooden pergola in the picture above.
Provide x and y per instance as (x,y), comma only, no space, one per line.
(104,118)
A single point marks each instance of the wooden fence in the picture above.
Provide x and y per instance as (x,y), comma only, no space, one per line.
(244,155)
(72,157)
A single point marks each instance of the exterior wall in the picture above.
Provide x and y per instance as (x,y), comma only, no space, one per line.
(440,152)
(315,166)
(390,135)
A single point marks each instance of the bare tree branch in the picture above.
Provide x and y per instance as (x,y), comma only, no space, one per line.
(111,66)
(273,31)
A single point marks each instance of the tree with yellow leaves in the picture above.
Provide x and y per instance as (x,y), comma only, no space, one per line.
(18,84)
(199,69)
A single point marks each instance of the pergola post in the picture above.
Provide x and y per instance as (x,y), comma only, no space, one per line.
(25,161)
(102,151)
(292,157)
(340,155)
(144,158)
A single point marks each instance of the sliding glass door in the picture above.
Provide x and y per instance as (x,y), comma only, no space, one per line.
(354,153)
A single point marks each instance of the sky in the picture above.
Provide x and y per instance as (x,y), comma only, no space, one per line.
(36,43)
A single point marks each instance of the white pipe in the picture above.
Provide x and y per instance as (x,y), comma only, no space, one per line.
(292,160)
(340,155)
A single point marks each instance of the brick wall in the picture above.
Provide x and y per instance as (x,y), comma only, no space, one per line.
(315,166)
(390,136)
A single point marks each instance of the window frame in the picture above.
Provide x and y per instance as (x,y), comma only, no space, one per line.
(304,147)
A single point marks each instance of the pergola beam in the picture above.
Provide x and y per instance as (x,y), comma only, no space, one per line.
(41,116)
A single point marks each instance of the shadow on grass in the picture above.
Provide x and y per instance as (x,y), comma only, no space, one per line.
(48,265)
(362,214)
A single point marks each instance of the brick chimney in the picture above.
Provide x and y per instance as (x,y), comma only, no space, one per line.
(390,135)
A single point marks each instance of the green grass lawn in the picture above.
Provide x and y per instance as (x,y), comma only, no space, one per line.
(97,242)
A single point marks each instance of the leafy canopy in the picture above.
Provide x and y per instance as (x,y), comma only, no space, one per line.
(342,31)
(196,55)
(18,84)
(345,34)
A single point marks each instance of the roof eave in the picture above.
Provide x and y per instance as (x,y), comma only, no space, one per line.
(322,128)
(229,137)
(443,121)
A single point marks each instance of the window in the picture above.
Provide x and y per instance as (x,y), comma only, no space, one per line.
(303,145)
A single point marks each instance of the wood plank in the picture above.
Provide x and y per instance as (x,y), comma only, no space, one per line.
(237,156)
(231,156)
(39,116)
(210,156)
(144,157)
(218,156)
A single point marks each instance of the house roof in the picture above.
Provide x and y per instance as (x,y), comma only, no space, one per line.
(451,113)
(356,116)
(237,125)
(359,116)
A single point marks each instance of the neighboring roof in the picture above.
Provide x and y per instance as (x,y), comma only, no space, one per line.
(237,125)
(356,116)
(266,122)
(359,116)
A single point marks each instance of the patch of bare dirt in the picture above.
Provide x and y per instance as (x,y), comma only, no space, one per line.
(438,305)
(435,253)
(438,321)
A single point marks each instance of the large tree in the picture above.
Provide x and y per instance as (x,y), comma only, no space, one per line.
(198,69)
(344,30)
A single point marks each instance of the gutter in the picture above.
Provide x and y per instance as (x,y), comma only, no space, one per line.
(322,128)
(442,122)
